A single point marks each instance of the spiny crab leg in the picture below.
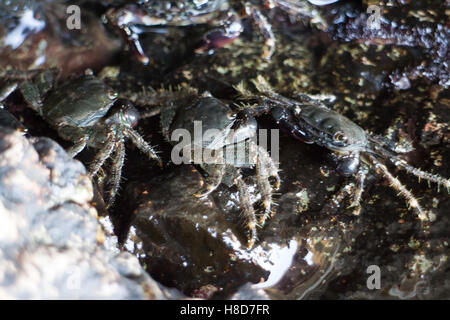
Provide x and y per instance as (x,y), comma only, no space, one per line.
(264,28)
(424,175)
(116,173)
(248,211)
(101,157)
(360,179)
(142,145)
(398,186)
(265,169)
(380,146)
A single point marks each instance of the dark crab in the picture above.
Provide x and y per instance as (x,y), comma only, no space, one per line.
(204,130)
(353,150)
(87,112)
(131,19)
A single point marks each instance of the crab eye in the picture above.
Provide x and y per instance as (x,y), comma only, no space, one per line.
(112,94)
(130,116)
(340,137)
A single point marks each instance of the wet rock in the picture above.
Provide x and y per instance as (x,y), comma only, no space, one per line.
(187,242)
(53,246)
(198,245)
(49,272)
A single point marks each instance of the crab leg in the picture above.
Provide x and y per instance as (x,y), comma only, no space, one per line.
(336,200)
(78,146)
(126,17)
(117,165)
(139,142)
(265,168)
(7,89)
(101,157)
(356,201)
(397,185)
(407,167)
(264,28)
(247,210)
(217,38)
(423,174)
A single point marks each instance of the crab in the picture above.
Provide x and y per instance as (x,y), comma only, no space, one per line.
(226,15)
(353,150)
(86,112)
(227,146)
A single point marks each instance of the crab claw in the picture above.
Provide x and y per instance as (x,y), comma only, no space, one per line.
(205,192)
(215,39)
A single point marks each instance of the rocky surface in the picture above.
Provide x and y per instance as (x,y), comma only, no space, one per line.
(52,244)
